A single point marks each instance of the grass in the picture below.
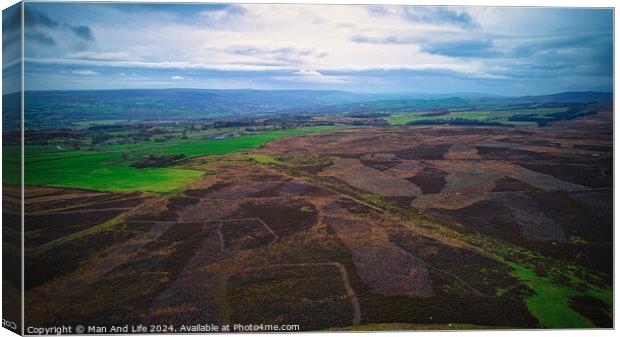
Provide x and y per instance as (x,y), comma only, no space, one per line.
(550,301)
(263,159)
(550,298)
(195,147)
(109,170)
(500,116)
(91,170)
(402,119)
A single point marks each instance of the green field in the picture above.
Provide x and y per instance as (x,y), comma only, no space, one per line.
(108,169)
(550,301)
(489,116)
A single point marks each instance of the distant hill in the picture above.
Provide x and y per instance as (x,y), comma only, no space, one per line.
(203,97)
(56,109)
(570,97)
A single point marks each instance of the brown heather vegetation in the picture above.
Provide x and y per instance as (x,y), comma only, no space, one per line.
(412,225)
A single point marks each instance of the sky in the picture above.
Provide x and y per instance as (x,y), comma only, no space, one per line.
(373,49)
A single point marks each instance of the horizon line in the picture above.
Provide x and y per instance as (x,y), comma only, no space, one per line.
(319,90)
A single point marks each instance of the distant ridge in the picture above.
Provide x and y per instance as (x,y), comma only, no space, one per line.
(340,95)
(572,96)
(169,104)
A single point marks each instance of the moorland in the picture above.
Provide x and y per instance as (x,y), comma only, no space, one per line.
(326,209)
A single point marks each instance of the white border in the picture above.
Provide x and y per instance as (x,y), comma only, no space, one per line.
(507,3)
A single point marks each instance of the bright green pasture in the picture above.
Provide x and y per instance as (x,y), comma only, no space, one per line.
(97,171)
(403,118)
(550,301)
(109,168)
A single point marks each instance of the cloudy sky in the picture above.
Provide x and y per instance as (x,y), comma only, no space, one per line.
(507,51)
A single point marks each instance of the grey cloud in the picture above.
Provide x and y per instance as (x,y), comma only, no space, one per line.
(83,32)
(577,53)
(36,19)
(289,54)
(222,16)
(389,39)
(11,49)
(11,37)
(542,56)
(462,48)
(40,37)
(11,18)
(439,15)
(590,40)
(421,14)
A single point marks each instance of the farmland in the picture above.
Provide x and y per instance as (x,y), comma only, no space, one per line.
(488,116)
(108,168)
(373,216)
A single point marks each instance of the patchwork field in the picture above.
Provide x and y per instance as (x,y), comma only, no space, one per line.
(421,227)
(490,116)
(109,168)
